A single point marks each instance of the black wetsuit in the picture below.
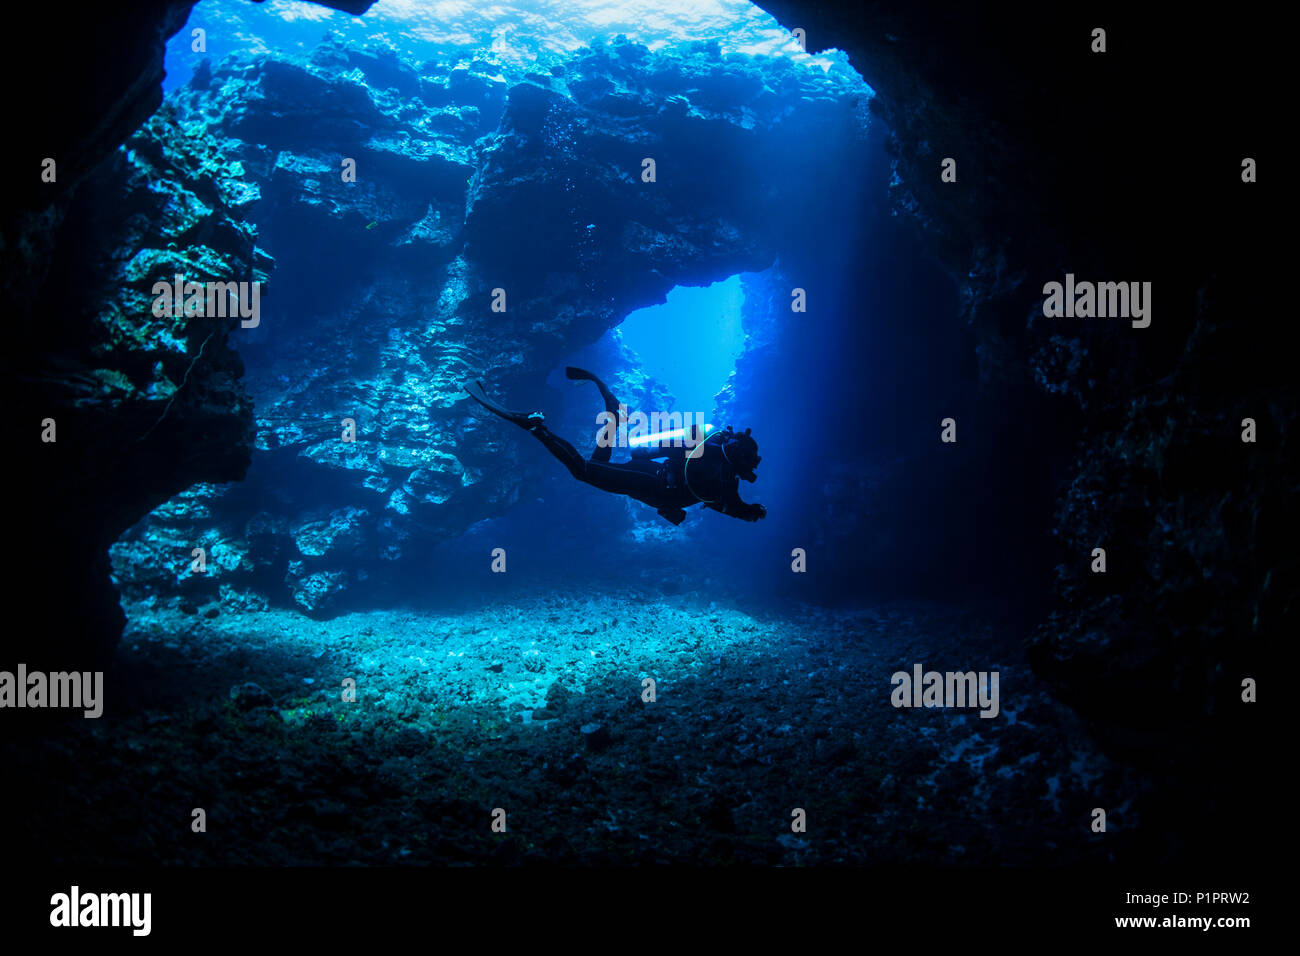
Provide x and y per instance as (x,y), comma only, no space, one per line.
(685,476)
(668,479)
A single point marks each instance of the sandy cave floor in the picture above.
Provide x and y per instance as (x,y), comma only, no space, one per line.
(536,708)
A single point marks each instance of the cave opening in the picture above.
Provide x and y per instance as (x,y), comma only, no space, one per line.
(690,342)
(685,347)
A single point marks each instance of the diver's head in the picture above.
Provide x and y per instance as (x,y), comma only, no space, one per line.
(741,452)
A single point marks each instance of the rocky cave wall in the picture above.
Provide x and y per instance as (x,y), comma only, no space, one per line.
(73,503)
(1117,166)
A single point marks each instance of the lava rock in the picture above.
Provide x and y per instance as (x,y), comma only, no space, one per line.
(249,696)
(596,736)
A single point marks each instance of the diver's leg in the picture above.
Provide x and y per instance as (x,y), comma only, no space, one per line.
(638,480)
(635,480)
(602,452)
(534,423)
(569,456)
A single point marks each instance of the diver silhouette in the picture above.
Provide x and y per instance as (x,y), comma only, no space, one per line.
(708,473)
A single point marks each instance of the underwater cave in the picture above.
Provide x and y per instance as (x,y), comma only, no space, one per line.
(281,479)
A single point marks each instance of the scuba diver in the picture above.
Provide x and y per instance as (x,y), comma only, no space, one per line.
(707,473)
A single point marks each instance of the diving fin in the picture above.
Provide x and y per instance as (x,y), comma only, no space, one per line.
(582,375)
(529,420)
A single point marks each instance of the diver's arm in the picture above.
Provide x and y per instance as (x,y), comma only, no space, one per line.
(730,504)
